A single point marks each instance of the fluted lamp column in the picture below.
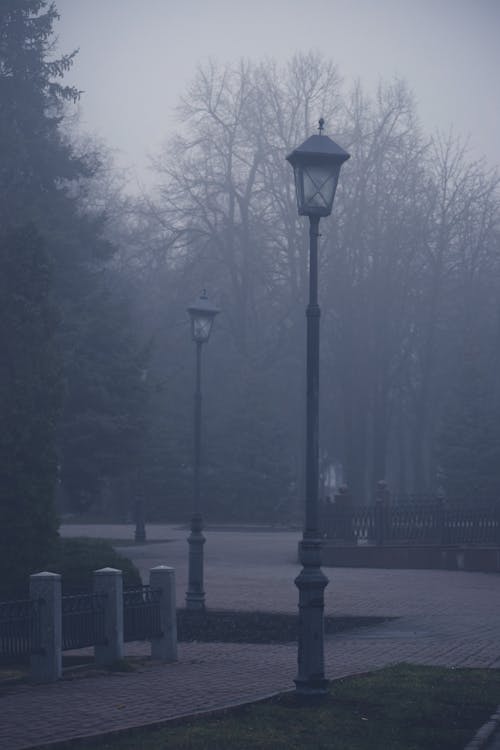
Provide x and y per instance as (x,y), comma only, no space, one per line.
(316,165)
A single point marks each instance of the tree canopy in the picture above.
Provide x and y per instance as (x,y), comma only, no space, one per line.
(65,326)
(97,382)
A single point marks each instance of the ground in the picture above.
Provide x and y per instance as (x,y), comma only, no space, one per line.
(444,617)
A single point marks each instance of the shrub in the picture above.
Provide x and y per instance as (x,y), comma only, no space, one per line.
(80,556)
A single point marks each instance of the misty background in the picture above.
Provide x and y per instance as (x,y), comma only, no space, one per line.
(134,65)
(168,176)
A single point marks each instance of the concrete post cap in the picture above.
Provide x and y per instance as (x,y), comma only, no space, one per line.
(46,574)
(107,572)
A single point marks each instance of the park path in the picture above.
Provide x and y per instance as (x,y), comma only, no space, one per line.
(445,618)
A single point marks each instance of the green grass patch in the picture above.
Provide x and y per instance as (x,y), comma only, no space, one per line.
(399,708)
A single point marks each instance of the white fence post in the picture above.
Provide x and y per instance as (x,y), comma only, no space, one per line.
(165,647)
(46,666)
(109,581)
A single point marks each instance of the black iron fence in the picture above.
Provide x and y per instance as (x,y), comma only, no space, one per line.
(83,620)
(431,523)
(141,614)
(20,630)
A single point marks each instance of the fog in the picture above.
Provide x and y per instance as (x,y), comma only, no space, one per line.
(135,61)
(126,302)
(409,264)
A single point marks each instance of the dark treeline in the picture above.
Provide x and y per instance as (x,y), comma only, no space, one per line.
(97,372)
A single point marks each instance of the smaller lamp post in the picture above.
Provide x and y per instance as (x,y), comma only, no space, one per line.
(316,166)
(202,314)
(140,526)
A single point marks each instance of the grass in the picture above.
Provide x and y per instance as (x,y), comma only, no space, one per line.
(403,707)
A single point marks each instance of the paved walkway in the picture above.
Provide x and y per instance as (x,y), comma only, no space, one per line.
(445,618)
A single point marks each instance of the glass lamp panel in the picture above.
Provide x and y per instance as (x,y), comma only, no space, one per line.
(320,183)
(202,325)
(297,173)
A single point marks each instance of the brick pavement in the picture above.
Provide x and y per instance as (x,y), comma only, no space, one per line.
(446,618)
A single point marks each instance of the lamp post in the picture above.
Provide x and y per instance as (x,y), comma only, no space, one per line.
(316,165)
(140,526)
(202,314)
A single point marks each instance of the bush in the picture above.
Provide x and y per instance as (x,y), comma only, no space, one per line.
(79,557)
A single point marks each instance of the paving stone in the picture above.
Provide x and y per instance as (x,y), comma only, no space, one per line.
(445,618)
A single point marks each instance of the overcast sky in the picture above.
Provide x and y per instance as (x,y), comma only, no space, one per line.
(136,58)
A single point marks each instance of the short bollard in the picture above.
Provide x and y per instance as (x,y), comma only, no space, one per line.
(165,647)
(46,664)
(109,581)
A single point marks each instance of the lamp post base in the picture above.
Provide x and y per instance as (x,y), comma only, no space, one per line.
(311,583)
(195,595)
(140,533)
(195,602)
(311,687)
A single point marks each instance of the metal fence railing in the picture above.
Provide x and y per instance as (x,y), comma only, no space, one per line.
(39,629)
(436,523)
(141,614)
(83,620)
(20,629)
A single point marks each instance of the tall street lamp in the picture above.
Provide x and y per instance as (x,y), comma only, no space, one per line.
(202,314)
(316,165)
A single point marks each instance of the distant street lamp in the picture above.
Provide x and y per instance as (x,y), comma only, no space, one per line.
(316,165)
(202,314)
(140,525)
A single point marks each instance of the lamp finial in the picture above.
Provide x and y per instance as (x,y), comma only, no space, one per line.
(321,124)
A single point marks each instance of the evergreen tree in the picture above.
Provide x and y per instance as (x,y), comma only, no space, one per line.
(102,427)
(69,382)
(34,162)
(30,393)
(469,445)
(34,157)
